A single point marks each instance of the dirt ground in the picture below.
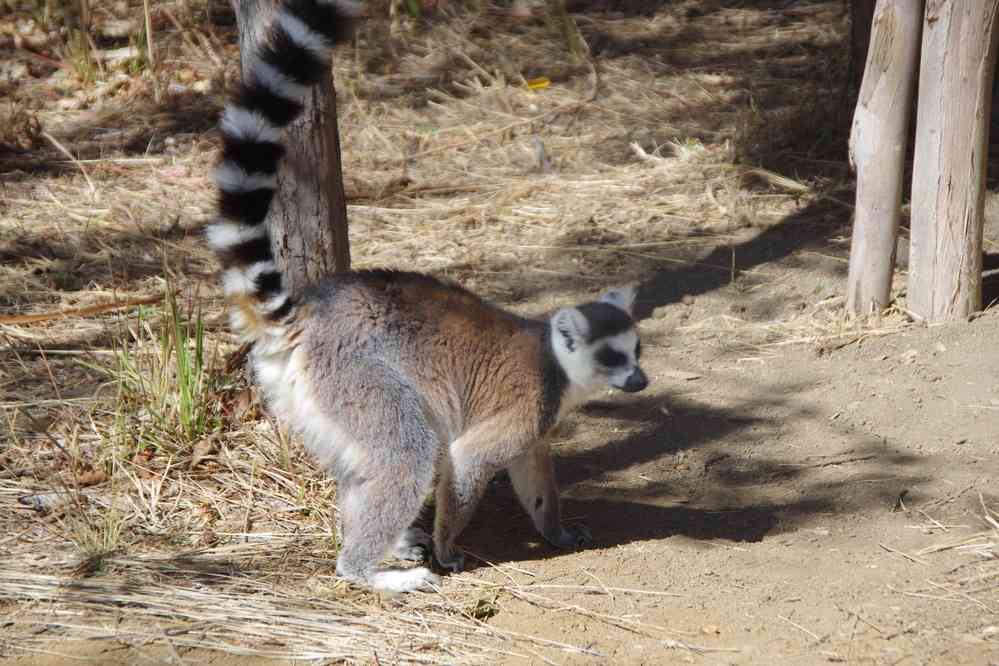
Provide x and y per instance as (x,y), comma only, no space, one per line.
(793,488)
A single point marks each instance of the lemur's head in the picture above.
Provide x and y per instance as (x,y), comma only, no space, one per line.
(597,343)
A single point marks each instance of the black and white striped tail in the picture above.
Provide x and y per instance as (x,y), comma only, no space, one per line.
(278,75)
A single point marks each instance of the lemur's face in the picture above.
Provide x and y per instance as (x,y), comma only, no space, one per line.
(597,343)
(617,357)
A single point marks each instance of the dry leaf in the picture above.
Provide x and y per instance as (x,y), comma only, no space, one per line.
(91,478)
(242,405)
(201,450)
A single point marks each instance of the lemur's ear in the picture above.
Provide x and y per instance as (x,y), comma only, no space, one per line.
(620,297)
(571,327)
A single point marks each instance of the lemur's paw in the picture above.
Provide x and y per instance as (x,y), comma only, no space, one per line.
(453,562)
(404,580)
(572,537)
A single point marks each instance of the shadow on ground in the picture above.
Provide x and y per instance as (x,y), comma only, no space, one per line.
(642,487)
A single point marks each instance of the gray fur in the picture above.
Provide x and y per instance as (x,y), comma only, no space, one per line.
(397,380)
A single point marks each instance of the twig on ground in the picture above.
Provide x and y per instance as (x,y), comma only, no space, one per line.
(79,312)
(72,158)
(801,628)
(911,558)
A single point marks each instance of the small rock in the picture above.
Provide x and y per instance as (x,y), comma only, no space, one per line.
(115,57)
(12,71)
(118,28)
(710,630)
(70,103)
(687,299)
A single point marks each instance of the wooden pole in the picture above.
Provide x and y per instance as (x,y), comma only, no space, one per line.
(308,218)
(948,182)
(878,141)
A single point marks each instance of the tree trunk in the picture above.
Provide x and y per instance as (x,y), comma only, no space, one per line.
(308,218)
(948,182)
(878,143)
(861,20)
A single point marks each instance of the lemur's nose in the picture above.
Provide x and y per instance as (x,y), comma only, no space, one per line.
(636,381)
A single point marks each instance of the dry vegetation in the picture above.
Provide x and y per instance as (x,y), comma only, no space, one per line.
(143,496)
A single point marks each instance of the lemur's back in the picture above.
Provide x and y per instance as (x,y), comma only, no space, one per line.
(468,358)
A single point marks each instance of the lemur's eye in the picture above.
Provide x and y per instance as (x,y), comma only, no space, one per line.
(610,358)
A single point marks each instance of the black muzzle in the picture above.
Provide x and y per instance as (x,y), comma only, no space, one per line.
(636,382)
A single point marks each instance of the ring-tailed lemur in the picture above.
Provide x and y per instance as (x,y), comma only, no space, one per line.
(397,379)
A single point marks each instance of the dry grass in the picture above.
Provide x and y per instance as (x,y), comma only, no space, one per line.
(975,582)
(125,518)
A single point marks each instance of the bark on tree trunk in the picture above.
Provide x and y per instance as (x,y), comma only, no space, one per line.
(948,183)
(878,143)
(861,20)
(308,219)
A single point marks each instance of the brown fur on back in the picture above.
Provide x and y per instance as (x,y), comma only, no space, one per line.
(470,359)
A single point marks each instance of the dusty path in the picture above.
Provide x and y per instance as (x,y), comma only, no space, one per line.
(784,501)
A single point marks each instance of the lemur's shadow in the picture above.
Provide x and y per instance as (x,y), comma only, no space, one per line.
(633,489)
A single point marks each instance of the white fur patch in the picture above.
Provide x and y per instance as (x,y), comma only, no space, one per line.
(302,34)
(247,125)
(270,77)
(623,343)
(621,297)
(223,235)
(241,280)
(274,302)
(232,178)
(283,377)
(404,580)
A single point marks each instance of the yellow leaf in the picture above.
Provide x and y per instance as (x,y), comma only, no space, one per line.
(539,83)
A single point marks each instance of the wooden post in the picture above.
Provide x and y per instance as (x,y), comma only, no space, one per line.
(308,218)
(948,181)
(878,143)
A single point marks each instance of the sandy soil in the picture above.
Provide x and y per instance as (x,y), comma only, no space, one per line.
(782,498)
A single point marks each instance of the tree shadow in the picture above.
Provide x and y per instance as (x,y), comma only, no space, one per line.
(633,488)
(810,227)
(137,128)
(990,281)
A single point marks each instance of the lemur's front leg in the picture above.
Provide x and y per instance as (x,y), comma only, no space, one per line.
(465,471)
(533,478)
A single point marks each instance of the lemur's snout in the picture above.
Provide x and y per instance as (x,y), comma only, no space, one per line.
(636,381)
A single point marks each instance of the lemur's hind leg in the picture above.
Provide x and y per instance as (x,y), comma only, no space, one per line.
(414,545)
(383,491)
